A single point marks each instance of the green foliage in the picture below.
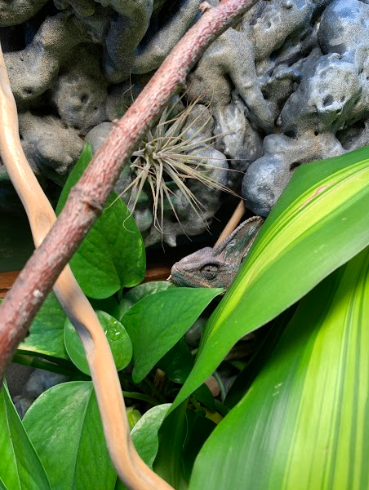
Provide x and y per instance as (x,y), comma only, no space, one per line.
(298,414)
(174,311)
(112,255)
(20,467)
(118,338)
(316,226)
(65,428)
(145,436)
(304,424)
(140,292)
(46,336)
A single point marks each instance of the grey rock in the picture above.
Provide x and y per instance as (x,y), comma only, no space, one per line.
(271,22)
(80,92)
(38,382)
(15,12)
(22,404)
(51,148)
(126,31)
(288,85)
(267,177)
(331,98)
(34,69)
(17,376)
(97,134)
(230,58)
(157,45)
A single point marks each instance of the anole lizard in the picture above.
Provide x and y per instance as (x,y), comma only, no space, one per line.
(217,267)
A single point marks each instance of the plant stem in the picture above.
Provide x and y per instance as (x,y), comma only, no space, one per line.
(48,366)
(140,396)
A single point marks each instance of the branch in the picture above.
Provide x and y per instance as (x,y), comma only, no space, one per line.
(130,468)
(87,198)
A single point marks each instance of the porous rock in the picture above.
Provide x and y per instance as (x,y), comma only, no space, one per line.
(289,84)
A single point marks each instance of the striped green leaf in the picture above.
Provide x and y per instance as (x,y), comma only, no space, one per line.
(319,223)
(304,423)
(20,466)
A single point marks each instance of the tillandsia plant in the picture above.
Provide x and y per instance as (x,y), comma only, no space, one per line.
(177,165)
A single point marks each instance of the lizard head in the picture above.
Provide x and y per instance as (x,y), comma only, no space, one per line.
(216,267)
(202,269)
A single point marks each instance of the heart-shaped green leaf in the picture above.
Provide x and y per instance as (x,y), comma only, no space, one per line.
(304,422)
(318,224)
(64,426)
(112,255)
(156,323)
(20,467)
(116,334)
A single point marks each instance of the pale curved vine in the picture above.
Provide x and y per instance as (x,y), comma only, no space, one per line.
(130,468)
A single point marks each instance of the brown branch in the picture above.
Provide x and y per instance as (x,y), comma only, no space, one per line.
(87,198)
(130,468)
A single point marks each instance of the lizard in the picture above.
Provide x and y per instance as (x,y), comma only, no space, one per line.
(217,267)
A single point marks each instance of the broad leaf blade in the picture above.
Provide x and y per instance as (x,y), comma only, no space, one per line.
(46,336)
(140,292)
(112,255)
(304,423)
(118,338)
(145,435)
(65,427)
(20,467)
(157,322)
(318,224)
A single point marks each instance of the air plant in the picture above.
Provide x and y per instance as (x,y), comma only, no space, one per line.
(169,157)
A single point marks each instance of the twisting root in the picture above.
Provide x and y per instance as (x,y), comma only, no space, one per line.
(131,469)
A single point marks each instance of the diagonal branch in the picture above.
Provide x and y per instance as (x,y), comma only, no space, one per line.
(130,468)
(87,198)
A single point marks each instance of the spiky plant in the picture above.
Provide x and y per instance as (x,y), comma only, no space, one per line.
(168,158)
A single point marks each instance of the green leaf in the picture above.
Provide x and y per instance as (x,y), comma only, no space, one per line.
(116,334)
(156,323)
(318,224)
(109,305)
(20,467)
(140,292)
(112,255)
(46,336)
(181,436)
(177,362)
(145,435)
(304,423)
(172,436)
(65,427)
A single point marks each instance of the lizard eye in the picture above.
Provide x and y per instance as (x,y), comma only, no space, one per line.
(209,271)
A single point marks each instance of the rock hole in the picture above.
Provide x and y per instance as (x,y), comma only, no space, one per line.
(327,101)
(290,134)
(84,98)
(294,166)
